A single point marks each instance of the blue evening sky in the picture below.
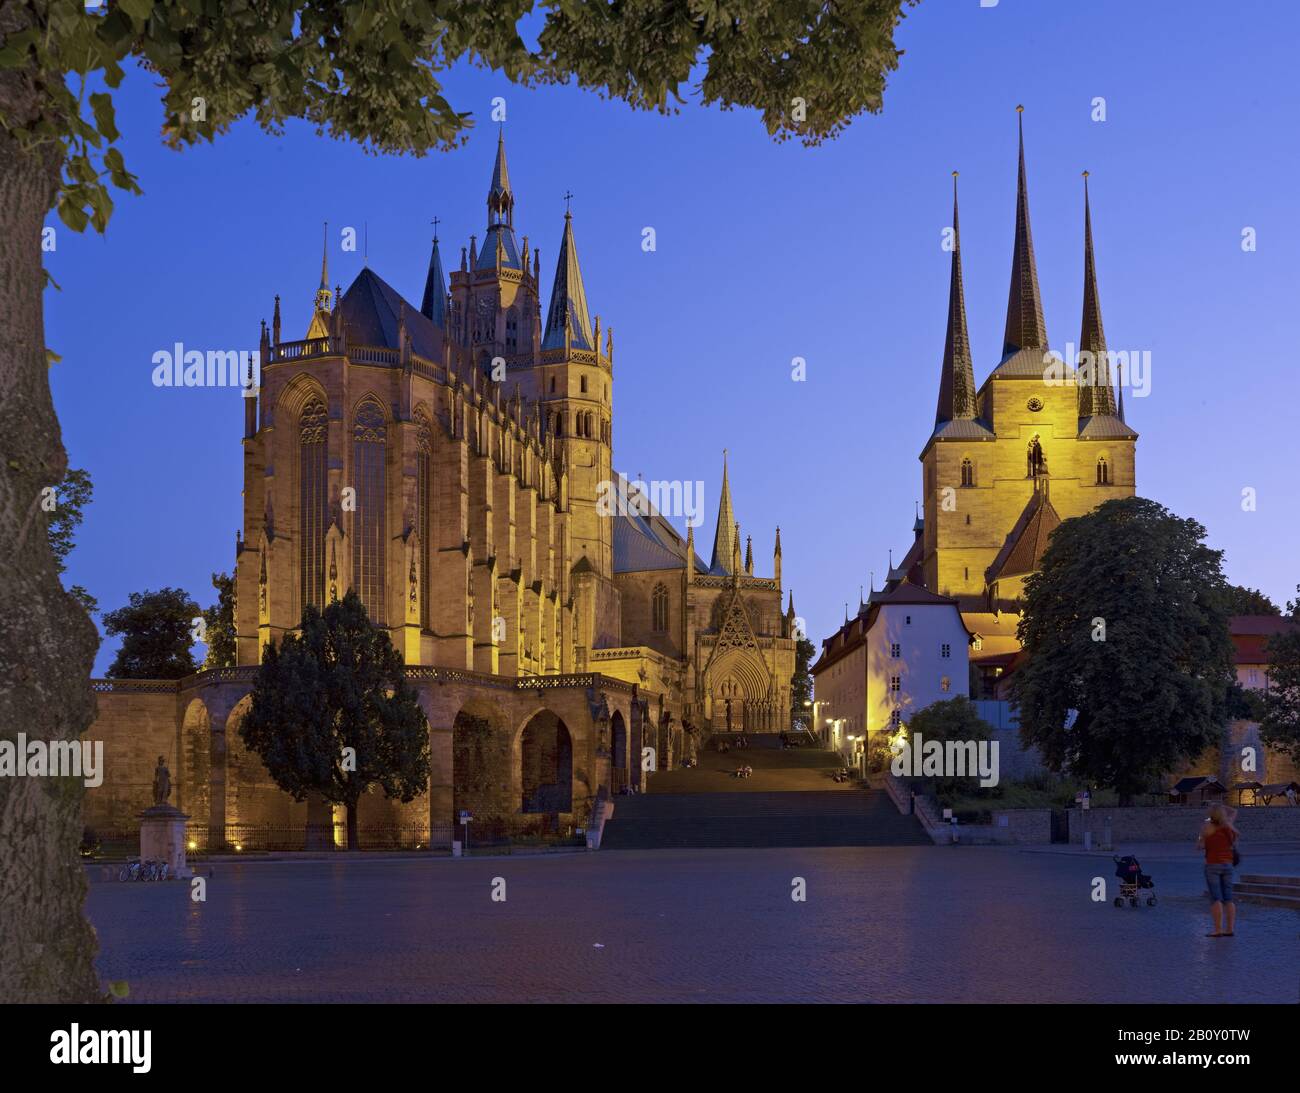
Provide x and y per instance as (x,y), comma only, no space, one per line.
(766,252)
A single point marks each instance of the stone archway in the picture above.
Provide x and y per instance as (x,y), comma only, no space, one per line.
(618,752)
(739,680)
(194,778)
(546,765)
(259,815)
(480,768)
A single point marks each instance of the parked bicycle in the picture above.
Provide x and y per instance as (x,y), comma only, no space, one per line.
(130,871)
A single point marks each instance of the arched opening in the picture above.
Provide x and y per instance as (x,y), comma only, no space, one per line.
(546,765)
(193,780)
(967,472)
(480,773)
(259,815)
(659,609)
(1103,471)
(618,757)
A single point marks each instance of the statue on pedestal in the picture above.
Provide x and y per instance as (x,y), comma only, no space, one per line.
(162,782)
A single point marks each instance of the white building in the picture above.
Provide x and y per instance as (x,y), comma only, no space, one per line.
(906,649)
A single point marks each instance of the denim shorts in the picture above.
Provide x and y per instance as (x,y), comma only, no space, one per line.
(1219,880)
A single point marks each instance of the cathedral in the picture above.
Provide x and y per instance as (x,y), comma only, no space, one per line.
(452,463)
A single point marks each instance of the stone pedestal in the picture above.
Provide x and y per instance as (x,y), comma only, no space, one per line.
(162,838)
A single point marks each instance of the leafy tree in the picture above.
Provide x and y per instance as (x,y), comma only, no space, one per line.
(1125,623)
(338,684)
(72,495)
(156,631)
(801,683)
(364,72)
(1249,601)
(953,719)
(1280,726)
(219,623)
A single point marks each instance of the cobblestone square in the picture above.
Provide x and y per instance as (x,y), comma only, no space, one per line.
(897,924)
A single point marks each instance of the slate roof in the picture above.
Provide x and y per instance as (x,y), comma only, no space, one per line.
(487,255)
(1104,427)
(568,299)
(371,309)
(1023,551)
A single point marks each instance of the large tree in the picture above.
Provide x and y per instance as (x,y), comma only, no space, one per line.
(157,631)
(367,72)
(332,712)
(1125,623)
(801,683)
(1280,727)
(953,719)
(219,624)
(1241,600)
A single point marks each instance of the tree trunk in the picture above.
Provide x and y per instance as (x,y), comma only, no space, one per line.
(47,642)
(353,806)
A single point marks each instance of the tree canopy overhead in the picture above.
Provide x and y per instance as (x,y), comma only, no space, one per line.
(1125,623)
(373,72)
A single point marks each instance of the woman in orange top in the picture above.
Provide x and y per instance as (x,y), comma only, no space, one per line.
(1216,839)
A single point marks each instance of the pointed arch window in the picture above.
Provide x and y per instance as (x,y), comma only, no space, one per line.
(313,504)
(967,472)
(1103,471)
(424,503)
(659,610)
(369,538)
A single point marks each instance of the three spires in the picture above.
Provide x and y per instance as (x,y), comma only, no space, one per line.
(1026,329)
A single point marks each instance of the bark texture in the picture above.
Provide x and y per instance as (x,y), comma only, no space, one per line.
(47,642)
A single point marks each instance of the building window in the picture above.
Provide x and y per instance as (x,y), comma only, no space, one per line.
(369,539)
(895,719)
(895,683)
(895,650)
(967,473)
(945,650)
(424,504)
(584,385)
(552,385)
(659,610)
(968,518)
(1103,472)
(909,620)
(967,572)
(313,510)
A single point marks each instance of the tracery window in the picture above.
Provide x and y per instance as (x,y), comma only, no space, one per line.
(424,503)
(313,503)
(659,609)
(967,472)
(1103,472)
(369,540)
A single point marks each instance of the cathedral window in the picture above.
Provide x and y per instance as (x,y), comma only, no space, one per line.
(967,473)
(1103,472)
(583,383)
(313,507)
(424,501)
(369,538)
(659,610)
(552,385)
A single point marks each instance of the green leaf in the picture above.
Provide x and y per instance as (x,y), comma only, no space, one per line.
(119,988)
(138,10)
(51,358)
(101,105)
(72,214)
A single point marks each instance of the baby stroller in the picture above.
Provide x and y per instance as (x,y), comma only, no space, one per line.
(1131,881)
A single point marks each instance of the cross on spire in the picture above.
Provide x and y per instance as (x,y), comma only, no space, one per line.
(568,196)
(435,222)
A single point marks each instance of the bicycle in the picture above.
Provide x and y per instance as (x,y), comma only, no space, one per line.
(130,871)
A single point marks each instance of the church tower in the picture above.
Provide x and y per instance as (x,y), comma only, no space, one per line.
(1040,442)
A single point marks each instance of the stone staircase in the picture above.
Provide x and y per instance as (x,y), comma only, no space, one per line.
(858,817)
(1271,891)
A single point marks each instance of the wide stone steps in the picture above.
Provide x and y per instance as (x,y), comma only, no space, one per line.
(1268,890)
(729,820)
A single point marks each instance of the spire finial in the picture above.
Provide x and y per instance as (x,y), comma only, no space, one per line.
(435,222)
(568,197)
(1025,328)
(957,393)
(1095,394)
(323,292)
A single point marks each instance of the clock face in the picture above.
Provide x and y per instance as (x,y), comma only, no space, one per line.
(1035,404)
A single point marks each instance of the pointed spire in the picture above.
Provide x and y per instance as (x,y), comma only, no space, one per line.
(1095,393)
(501,200)
(749,555)
(722,541)
(434,304)
(1119,386)
(957,379)
(777,551)
(790,610)
(275,321)
(323,292)
(567,317)
(1026,328)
